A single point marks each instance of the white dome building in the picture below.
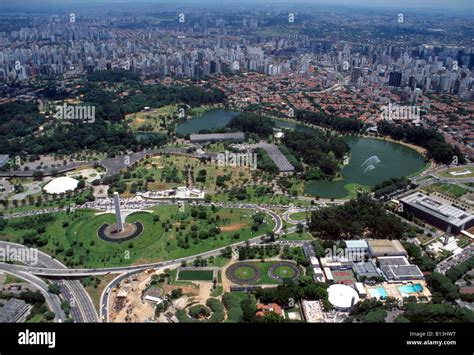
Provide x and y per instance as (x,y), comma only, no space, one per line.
(342,297)
(61,185)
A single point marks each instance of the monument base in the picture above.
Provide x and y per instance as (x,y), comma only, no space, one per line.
(110,233)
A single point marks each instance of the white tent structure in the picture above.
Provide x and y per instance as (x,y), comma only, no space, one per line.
(342,297)
(61,185)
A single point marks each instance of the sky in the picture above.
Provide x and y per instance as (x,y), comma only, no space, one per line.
(448,5)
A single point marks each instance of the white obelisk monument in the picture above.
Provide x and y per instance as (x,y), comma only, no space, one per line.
(118,213)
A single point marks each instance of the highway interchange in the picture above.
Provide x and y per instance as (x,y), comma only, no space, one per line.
(82,308)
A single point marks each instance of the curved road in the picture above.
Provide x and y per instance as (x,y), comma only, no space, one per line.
(54,268)
(82,308)
(52,300)
(81,304)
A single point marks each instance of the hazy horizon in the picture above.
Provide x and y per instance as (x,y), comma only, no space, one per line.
(427,5)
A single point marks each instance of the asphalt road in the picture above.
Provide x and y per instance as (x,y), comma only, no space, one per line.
(52,267)
(52,300)
(82,308)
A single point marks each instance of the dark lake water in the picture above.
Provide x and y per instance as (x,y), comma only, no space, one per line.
(372,160)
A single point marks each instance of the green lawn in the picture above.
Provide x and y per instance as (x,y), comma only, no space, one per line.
(284,272)
(299,216)
(10,279)
(451,190)
(297,236)
(195,275)
(78,245)
(37,318)
(246,272)
(446,173)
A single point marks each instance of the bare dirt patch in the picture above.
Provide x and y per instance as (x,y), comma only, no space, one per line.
(233,227)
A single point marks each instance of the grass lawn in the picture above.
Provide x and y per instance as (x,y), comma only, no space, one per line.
(446,173)
(168,171)
(217,292)
(299,216)
(176,235)
(284,271)
(10,279)
(451,190)
(297,236)
(353,188)
(37,318)
(219,261)
(195,275)
(96,292)
(152,120)
(245,272)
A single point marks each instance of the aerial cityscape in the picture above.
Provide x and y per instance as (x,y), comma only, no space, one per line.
(253,162)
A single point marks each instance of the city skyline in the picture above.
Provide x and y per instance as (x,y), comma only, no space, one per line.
(192,163)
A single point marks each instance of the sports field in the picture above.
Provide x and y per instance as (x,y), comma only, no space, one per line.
(262,273)
(195,275)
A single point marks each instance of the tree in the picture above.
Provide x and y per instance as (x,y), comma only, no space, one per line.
(345,221)
(375,316)
(54,289)
(227,252)
(199,311)
(268,317)
(176,293)
(49,315)
(442,284)
(248,308)
(437,313)
(38,175)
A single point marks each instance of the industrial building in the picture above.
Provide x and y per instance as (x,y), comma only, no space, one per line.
(437,213)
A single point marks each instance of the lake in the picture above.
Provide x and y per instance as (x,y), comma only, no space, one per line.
(372,160)
(211,119)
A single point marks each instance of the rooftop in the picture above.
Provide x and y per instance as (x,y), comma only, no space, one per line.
(342,296)
(217,136)
(12,310)
(61,185)
(448,213)
(398,267)
(356,243)
(386,247)
(364,268)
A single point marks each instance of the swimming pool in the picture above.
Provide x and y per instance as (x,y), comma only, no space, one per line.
(406,290)
(378,292)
